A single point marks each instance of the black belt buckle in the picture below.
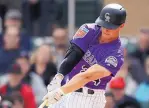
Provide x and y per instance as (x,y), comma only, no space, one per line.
(89,91)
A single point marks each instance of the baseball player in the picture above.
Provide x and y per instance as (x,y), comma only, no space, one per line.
(94,57)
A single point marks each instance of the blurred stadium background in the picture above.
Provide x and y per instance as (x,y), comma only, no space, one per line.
(35,34)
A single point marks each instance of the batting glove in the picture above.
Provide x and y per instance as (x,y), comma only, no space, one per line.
(53,96)
(55,83)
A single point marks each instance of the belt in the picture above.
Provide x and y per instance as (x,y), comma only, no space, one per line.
(89,91)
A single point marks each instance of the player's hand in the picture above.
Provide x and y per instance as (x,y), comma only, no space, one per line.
(55,83)
(53,96)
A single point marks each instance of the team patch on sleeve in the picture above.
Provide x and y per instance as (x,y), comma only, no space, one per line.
(111,60)
(82,31)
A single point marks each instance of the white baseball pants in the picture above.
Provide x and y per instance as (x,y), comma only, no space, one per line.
(82,100)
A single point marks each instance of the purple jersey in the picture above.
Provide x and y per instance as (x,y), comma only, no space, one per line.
(108,55)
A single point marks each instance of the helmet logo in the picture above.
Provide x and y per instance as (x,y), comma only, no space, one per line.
(107,17)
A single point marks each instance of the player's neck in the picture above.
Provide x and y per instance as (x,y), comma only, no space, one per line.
(107,40)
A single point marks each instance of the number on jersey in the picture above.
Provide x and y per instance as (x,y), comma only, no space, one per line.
(97,82)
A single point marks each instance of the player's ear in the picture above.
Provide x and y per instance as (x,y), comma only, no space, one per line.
(122,25)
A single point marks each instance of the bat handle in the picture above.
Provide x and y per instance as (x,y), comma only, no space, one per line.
(43,104)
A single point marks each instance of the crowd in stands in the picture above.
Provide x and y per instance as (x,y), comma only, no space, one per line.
(131,85)
(28,63)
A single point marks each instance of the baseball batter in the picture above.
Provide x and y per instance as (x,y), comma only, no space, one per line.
(94,57)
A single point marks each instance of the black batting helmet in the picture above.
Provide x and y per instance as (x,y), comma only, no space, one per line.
(111,16)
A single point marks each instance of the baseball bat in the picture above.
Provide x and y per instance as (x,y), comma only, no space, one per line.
(43,104)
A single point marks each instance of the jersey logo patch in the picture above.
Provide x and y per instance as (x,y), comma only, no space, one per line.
(111,60)
(81,32)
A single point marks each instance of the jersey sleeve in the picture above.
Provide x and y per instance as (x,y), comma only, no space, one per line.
(112,63)
(83,37)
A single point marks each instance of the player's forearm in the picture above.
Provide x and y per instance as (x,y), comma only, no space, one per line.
(73,56)
(93,73)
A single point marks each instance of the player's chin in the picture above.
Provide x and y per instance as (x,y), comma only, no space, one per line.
(107,35)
